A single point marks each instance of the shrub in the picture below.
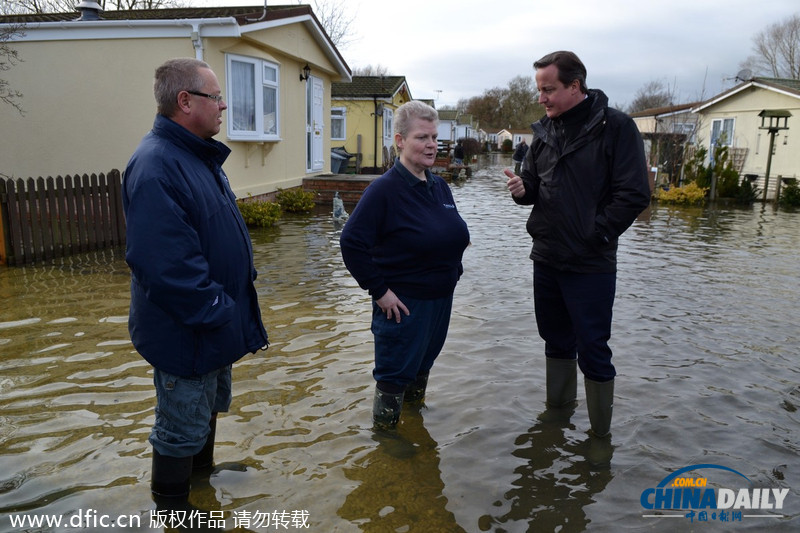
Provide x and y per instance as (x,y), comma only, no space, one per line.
(690,194)
(790,195)
(728,183)
(295,200)
(695,170)
(471,147)
(747,194)
(508,146)
(261,214)
(727,177)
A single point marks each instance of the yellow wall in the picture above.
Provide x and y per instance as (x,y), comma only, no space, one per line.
(361,120)
(85,109)
(744,108)
(89,102)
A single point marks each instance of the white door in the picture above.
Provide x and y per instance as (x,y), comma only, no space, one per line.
(315,126)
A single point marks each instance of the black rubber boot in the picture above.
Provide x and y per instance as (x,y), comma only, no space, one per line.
(415,392)
(562,382)
(170,476)
(204,459)
(386,407)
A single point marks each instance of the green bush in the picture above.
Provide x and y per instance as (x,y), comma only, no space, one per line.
(471,147)
(295,200)
(690,194)
(747,194)
(261,214)
(695,169)
(790,195)
(508,146)
(727,177)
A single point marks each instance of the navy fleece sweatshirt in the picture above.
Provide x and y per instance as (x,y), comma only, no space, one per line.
(405,234)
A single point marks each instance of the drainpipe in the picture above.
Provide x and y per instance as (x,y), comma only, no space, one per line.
(197,42)
(375,149)
(262,17)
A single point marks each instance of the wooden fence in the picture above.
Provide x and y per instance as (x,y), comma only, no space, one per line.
(44,219)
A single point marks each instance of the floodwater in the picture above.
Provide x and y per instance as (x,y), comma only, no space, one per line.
(706,343)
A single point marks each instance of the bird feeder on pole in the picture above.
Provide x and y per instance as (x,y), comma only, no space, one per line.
(772,120)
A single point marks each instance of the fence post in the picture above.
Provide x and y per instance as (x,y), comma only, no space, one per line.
(3,224)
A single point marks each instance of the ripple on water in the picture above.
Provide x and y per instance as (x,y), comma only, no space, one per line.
(704,341)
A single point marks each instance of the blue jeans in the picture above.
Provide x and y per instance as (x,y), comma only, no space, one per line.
(573,314)
(184,407)
(407,349)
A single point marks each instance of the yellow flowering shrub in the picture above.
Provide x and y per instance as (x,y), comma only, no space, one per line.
(689,194)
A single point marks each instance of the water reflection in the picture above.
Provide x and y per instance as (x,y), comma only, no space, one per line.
(553,485)
(381,500)
(705,339)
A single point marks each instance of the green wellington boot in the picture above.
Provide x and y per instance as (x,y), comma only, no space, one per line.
(386,408)
(562,390)
(415,392)
(600,403)
(562,382)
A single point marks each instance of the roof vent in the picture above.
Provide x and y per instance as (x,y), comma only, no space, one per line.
(89,10)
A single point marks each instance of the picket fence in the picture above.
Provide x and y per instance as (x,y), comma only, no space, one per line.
(43,219)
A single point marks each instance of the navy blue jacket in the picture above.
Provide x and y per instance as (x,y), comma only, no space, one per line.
(406,235)
(587,186)
(193,304)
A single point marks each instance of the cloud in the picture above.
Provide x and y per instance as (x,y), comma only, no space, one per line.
(467,47)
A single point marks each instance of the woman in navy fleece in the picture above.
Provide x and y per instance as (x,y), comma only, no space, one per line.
(403,243)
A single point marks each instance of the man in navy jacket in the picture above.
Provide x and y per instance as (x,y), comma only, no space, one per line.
(194,309)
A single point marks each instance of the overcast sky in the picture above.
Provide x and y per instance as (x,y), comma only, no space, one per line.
(449,50)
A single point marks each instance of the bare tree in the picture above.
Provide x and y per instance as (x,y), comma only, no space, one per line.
(19,7)
(8,58)
(515,106)
(336,19)
(369,70)
(777,50)
(651,95)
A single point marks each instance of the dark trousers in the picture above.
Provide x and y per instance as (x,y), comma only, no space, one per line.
(404,350)
(573,314)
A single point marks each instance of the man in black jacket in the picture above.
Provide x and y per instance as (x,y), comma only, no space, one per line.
(586,176)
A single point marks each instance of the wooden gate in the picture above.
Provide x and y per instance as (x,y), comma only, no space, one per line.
(47,218)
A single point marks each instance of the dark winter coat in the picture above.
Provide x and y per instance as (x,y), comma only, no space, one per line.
(520,151)
(587,183)
(193,304)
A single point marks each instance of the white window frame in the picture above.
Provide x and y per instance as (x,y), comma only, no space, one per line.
(728,141)
(263,72)
(388,126)
(339,116)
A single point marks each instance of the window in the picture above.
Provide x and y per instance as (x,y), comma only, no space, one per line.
(338,123)
(686,128)
(253,99)
(721,132)
(388,125)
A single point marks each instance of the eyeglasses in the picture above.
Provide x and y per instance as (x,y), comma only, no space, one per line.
(216,97)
